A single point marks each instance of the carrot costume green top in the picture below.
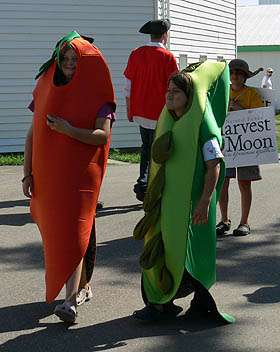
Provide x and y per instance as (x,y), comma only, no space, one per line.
(172,243)
(67,173)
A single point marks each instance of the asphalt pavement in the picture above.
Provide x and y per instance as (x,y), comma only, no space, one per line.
(248,279)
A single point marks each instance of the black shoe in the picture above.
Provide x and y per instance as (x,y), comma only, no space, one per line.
(99,205)
(195,313)
(242,230)
(140,196)
(172,309)
(150,313)
(222,228)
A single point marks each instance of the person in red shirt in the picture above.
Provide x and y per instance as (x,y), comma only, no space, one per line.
(148,70)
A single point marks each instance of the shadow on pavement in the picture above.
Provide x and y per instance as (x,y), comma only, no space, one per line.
(21,219)
(15,219)
(264,295)
(122,209)
(120,254)
(24,316)
(56,337)
(15,203)
(24,257)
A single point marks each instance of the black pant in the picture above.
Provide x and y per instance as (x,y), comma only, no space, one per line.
(202,298)
(147,136)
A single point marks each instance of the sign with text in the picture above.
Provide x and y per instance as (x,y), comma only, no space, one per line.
(250,138)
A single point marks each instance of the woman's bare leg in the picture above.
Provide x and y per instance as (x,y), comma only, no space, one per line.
(72,285)
(83,281)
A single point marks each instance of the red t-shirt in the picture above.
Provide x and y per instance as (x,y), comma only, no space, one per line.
(148,69)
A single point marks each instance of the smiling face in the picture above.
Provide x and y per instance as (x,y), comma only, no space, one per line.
(176,99)
(68,62)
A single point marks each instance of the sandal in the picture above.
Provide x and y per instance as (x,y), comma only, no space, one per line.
(222,227)
(84,295)
(66,312)
(242,230)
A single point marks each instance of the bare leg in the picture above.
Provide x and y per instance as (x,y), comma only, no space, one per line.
(246,200)
(223,202)
(72,285)
(83,281)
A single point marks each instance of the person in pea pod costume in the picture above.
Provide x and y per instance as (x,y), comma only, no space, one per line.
(66,153)
(186,175)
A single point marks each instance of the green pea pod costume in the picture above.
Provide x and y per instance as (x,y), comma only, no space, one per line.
(172,244)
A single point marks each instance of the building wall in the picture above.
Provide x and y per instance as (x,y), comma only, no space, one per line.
(202,27)
(30,28)
(28,31)
(268,2)
(263,59)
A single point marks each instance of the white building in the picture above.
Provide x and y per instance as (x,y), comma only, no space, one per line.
(269,2)
(30,28)
(258,40)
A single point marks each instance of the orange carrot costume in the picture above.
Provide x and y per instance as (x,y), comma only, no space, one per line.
(67,173)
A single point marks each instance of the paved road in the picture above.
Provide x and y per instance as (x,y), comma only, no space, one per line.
(248,280)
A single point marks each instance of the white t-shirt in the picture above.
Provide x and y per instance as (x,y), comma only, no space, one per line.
(266,82)
(211,150)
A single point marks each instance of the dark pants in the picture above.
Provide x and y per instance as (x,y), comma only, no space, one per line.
(147,136)
(202,298)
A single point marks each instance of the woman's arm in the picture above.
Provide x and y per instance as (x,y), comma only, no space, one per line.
(96,136)
(200,215)
(27,181)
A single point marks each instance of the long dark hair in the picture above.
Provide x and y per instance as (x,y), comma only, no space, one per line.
(59,78)
(183,81)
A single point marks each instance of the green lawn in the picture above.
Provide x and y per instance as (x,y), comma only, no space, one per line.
(277,118)
(11,159)
(115,154)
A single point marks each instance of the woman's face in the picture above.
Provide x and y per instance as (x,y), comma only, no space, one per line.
(237,78)
(175,98)
(68,63)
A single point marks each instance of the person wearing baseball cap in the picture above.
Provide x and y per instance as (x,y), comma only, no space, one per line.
(148,70)
(241,97)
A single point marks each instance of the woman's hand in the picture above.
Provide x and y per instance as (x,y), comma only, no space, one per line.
(27,186)
(58,124)
(200,215)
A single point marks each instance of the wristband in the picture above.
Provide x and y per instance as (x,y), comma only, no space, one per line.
(25,177)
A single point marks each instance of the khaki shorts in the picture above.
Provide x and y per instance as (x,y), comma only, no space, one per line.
(245,173)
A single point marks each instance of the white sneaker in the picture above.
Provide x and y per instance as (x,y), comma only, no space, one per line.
(66,312)
(84,295)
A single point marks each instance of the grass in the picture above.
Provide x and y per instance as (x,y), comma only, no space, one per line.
(11,159)
(277,120)
(115,154)
(126,156)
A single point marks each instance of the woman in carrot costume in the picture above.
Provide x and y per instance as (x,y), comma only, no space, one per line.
(185,179)
(66,153)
